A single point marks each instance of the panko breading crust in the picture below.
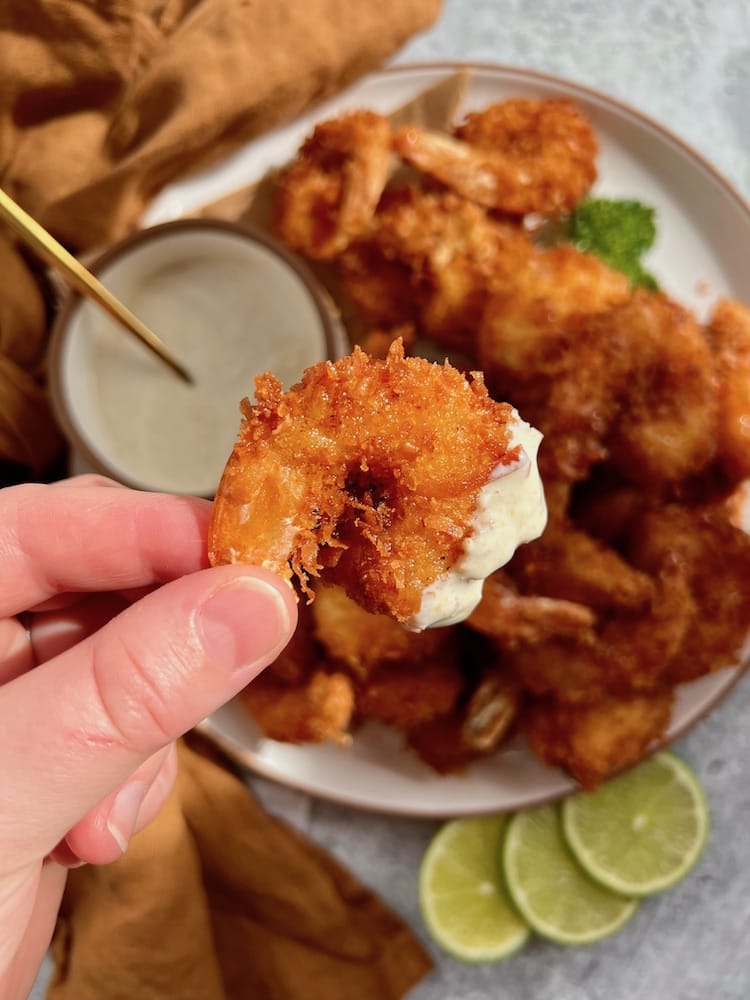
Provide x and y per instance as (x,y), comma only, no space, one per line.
(366,472)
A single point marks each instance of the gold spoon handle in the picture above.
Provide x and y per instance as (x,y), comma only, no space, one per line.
(82,280)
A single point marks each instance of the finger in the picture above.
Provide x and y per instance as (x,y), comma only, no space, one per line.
(87,479)
(57,603)
(127,691)
(30,920)
(157,792)
(62,601)
(52,632)
(103,834)
(133,594)
(16,655)
(55,540)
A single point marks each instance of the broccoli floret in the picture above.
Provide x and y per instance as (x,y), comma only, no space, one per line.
(619,232)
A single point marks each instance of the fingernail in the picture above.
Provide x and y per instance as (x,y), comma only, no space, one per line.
(245,624)
(124,812)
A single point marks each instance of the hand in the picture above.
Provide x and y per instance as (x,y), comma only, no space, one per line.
(128,641)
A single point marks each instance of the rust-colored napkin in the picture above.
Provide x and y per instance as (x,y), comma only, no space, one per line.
(217,900)
(105,102)
(102,104)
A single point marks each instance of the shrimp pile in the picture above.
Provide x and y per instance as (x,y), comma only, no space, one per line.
(640,581)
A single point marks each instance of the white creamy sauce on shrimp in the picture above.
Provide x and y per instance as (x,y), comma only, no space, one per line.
(511,509)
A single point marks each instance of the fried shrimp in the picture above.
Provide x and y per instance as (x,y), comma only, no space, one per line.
(509,618)
(318,709)
(625,653)
(633,383)
(407,695)
(400,480)
(729,336)
(431,257)
(361,642)
(671,361)
(518,156)
(714,557)
(526,316)
(328,195)
(570,565)
(597,740)
(537,339)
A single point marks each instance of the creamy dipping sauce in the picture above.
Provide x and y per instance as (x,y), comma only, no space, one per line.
(511,510)
(228,309)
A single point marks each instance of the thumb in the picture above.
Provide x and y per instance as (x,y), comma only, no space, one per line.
(78,725)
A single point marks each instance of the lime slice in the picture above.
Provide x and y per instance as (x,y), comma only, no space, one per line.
(552,893)
(464,904)
(641,831)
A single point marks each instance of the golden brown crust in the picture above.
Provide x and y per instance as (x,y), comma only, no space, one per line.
(316,710)
(728,333)
(366,472)
(328,195)
(593,741)
(517,156)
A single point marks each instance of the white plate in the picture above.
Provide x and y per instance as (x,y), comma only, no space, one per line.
(701,254)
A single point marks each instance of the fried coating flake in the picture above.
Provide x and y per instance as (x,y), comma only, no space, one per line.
(366,472)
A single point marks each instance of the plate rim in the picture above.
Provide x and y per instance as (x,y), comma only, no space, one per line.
(252,762)
(249,760)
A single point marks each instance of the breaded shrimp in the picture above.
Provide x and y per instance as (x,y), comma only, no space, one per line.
(432,259)
(538,343)
(370,473)
(518,156)
(595,741)
(384,290)
(670,409)
(406,694)
(633,384)
(328,195)
(629,651)
(361,642)
(567,564)
(728,334)
(714,556)
(318,709)
(524,328)
(510,619)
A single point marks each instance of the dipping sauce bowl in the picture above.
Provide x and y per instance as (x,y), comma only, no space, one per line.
(230,303)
